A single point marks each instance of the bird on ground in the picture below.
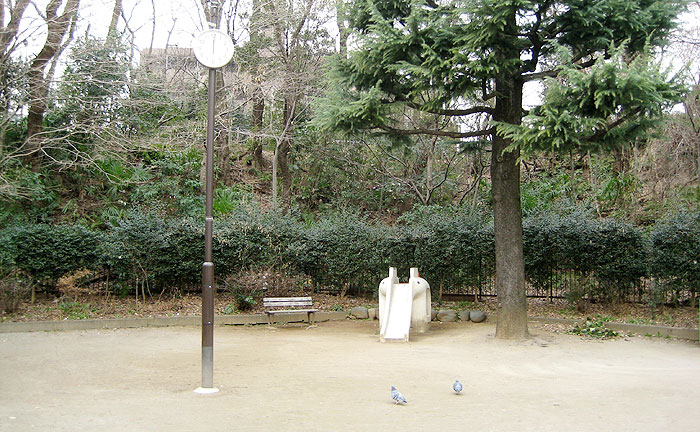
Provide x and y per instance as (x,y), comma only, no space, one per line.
(397,396)
(457,386)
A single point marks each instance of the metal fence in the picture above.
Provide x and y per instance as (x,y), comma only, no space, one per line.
(569,284)
(560,283)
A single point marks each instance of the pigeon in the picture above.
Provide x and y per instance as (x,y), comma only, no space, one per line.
(457,386)
(397,396)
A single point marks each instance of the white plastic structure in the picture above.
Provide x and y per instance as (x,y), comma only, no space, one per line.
(403,306)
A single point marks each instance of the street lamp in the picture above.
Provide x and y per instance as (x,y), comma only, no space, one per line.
(213,49)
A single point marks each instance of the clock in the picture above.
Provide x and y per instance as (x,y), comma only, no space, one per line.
(213,48)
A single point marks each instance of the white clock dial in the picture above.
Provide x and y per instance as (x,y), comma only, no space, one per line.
(213,48)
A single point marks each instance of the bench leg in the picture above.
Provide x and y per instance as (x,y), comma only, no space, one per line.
(311,318)
(269,320)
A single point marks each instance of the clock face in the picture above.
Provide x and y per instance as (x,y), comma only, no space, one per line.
(213,48)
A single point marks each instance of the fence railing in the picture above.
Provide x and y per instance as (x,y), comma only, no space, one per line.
(559,283)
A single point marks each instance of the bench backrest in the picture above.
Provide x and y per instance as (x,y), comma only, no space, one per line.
(274,302)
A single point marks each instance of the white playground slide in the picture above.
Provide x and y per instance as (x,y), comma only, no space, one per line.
(403,306)
(396,322)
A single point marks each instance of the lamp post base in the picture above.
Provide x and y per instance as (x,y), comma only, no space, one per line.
(206,390)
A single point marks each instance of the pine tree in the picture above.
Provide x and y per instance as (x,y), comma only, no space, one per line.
(468,58)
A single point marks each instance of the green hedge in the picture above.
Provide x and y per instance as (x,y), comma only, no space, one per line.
(675,246)
(347,252)
(169,252)
(614,253)
(451,248)
(48,252)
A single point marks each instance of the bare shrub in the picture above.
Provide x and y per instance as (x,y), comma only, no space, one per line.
(72,284)
(14,288)
(250,287)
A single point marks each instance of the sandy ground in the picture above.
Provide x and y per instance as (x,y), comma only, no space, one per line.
(337,377)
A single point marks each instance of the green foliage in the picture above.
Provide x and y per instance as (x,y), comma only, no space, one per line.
(676,251)
(614,253)
(227,198)
(75,310)
(449,247)
(47,252)
(426,55)
(595,328)
(346,252)
(244,302)
(340,251)
(612,103)
(230,309)
(166,252)
(27,194)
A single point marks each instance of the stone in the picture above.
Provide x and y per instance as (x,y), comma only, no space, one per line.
(464,315)
(477,316)
(373,313)
(447,316)
(359,312)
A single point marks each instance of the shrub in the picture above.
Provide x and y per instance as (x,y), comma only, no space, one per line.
(14,288)
(451,247)
(621,258)
(345,251)
(612,253)
(595,328)
(675,259)
(245,290)
(48,252)
(341,251)
(167,252)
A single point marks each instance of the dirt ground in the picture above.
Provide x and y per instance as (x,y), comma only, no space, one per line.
(50,308)
(337,377)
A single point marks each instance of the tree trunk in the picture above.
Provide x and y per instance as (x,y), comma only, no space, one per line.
(507,216)
(274,175)
(257,126)
(285,147)
(221,142)
(10,30)
(116,11)
(343,31)
(428,176)
(57,27)
(283,167)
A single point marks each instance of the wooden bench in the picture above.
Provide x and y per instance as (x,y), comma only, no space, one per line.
(272,305)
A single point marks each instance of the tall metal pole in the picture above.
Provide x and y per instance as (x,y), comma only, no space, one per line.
(208,266)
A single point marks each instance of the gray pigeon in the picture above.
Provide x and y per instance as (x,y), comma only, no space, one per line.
(457,386)
(397,396)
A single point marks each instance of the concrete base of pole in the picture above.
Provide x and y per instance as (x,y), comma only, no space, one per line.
(208,390)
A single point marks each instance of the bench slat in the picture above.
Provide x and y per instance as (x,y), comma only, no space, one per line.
(286,302)
(278,304)
(291,311)
(273,299)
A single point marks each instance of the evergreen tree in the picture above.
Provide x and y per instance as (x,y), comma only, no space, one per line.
(469,58)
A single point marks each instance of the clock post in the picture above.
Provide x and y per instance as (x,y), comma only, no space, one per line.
(213,49)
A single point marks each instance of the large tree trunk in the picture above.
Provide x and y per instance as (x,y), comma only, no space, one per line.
(57,27)
(507,216)
(507,220)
